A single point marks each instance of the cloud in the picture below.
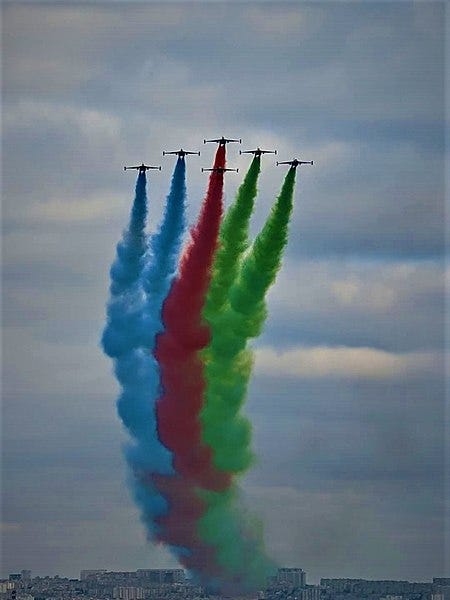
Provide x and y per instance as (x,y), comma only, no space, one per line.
(342,362)
(395,306)
(331,98)
(86,522)
(10,527)
(347,292)
(326,527)
(55,366)
(73,210)
(331,57)
(278,23)
(32,113)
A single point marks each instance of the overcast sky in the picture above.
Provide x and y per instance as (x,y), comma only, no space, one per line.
(347,397)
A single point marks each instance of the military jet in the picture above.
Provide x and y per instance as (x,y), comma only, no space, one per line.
(294,163)
(142,168)
(220,169)
(257,152)
(181,153)
(222,141)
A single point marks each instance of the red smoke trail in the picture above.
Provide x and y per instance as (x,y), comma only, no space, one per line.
(177,348)
(182,383)
(179,527)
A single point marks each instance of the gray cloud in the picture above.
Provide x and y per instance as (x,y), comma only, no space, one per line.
(395,306)
(214,62)
(347,431)
(327,528)
(217,44)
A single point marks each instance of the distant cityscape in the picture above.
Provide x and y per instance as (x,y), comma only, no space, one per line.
(172,584)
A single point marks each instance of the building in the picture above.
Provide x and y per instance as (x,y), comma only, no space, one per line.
(440,592)
(160,576)
(311,592)
(291,576)
(91,573)
(381,588)
(128,593)
(8,590)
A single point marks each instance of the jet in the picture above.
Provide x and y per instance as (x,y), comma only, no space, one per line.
(257,152)
(220,169)
(294,163)
(222,141)
(142,168)
(181,153)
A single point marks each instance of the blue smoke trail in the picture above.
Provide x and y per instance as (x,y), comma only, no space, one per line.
(140,278)
(161,260)
(121,341)
(164,250)
(124,308)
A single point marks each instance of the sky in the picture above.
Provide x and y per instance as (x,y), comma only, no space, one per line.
(348,393)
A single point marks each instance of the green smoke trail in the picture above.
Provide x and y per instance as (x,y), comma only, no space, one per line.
(233,241)
(228,363)
(238,314)
(237,537)
(260,267)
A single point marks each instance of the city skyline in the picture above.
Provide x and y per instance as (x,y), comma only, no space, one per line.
(137,585)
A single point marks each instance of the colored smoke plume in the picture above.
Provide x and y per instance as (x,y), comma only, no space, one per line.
(185,334)
(141,277)
(229,363)
(179,344)
(228,367)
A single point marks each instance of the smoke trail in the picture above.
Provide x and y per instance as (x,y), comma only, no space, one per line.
(185,334)
(228,367)
(160,268)
(229,363)
(124,307)
(148,455)
(178,528)
(130,312)
(162,262)
(177,351)
(233,241)
(121,341)
(260,268)
(237,538)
